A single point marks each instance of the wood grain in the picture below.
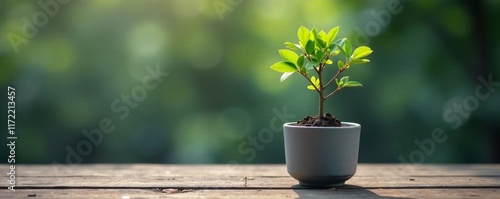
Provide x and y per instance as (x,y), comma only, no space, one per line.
(251,193)
(244,170)
(248,181)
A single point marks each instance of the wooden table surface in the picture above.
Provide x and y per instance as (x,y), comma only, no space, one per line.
(247,181)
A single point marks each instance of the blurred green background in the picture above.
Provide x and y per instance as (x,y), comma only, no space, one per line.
(220,94)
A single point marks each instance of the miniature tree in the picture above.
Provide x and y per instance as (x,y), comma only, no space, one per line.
(317,49)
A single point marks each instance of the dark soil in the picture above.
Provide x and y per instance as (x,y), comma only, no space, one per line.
(325,120)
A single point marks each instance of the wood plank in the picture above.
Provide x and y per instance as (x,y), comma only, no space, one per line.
(162,170)
(251,182)
(248,181)
(262,176)
(262,193)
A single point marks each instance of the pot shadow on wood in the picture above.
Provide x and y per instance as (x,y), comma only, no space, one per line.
(346,191)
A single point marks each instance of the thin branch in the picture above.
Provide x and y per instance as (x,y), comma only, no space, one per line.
(338,73)
(310,82)
(338,89)
(307,56)
(334,77)
(317,71)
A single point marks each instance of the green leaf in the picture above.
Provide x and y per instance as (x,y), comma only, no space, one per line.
(361,52)
(292,46)
(339,45)
(285,76)
(300,61)
(329,61)
(289,55)
(352,84)
(340,42)
(340,64)
(314,34)
(344,80)
(333,47)
(334,53)
(284,67)
(347,48)
(315,82)
(360,61)
(313,59)
(310,65)
(304,35)
(322,39)
(338,83)
(300,65)
(303,70)
(310,47)
(319,55)
(332,34)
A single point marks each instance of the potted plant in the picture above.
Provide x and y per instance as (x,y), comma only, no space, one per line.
(321,151)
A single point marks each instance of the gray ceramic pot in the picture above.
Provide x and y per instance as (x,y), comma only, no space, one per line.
(321,156)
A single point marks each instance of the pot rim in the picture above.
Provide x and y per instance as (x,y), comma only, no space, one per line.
(348,125)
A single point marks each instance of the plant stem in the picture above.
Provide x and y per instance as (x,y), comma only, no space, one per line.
(317,89)
(335,76)
(322,97)
(338,89)
(321,92)
(321,103)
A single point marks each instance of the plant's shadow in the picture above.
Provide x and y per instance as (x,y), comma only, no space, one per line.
(346,191)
